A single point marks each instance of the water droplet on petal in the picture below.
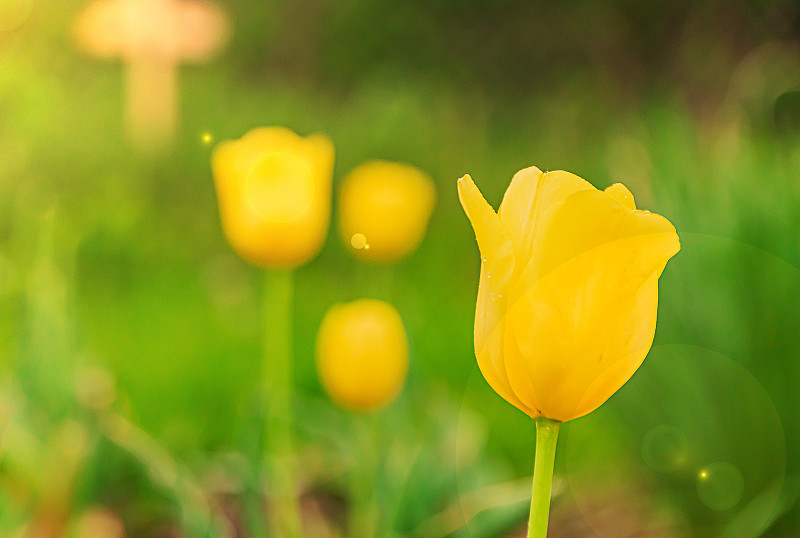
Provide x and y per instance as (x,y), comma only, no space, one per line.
(488,275)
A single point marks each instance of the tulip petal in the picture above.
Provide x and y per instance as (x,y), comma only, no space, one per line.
(587,220)
(496,269)
(275,138)
(637,329)
(490,334)
(227,174)
(493,239)
(322,152)
(621,194)
(582,316)
(530,193)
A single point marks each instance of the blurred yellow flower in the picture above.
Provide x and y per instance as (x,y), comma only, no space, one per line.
(384,209)
(274,191)
(362,354)
(568,290)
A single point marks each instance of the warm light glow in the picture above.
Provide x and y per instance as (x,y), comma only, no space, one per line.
(280,187)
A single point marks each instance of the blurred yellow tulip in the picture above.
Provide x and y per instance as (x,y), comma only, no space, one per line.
(362,354)
(274,191)
(384,209)
(568,290)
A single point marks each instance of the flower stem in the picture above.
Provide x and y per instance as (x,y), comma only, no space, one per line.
(546,438)
(277,377)
(364,509)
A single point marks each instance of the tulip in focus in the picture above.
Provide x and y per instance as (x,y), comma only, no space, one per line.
(362,354)
(384,209)
(566,302)
(568,290)
(274,191)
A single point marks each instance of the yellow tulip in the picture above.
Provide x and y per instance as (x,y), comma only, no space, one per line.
(362,354)
(384,209)
(568,290)
(274,191)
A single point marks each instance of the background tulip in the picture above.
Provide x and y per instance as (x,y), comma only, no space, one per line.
(384,209)
(362,354)
(274,190)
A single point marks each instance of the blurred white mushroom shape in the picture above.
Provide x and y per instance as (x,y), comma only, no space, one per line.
(152,38)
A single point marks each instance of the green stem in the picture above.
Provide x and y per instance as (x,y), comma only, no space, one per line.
(277,376)
(546,437)
(364,510)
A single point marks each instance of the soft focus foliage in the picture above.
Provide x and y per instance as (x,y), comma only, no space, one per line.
(113,261)
(568,290)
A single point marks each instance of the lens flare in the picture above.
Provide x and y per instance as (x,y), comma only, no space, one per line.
(665,448)
(720,485)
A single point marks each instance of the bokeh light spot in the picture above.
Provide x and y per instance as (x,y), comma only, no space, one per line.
(665,448)
(207,138)
(720,485)
(359,241)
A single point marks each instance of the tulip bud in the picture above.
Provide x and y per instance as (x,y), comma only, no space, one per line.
(274,191)
(362,354)
(384,210)
(568,290)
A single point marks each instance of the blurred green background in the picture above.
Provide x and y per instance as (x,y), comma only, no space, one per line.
(130,331)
